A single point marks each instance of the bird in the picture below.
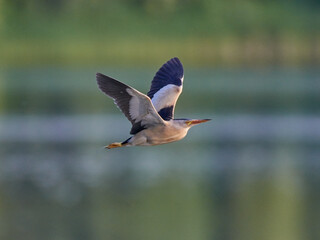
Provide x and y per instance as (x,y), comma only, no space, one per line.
(151,115)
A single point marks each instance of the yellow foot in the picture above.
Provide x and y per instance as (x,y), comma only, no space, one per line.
(114,145)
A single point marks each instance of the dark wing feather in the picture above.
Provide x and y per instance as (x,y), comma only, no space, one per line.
(170,73)
(118,91)
(166,87)
(140,112)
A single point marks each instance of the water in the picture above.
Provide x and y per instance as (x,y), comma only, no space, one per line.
(253,172)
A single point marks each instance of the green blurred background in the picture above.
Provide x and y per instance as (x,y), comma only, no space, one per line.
(202,32)
(253,172)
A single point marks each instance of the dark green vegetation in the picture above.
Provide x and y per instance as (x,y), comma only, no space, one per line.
(140,32)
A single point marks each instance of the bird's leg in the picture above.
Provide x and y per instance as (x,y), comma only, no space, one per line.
(118,144)
(114,145)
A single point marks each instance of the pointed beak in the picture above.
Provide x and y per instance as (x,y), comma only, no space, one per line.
(196,121)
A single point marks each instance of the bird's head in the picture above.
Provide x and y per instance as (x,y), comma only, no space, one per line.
(192,122)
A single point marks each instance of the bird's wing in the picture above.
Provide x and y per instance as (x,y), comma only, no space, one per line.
(166,87)
(136,106)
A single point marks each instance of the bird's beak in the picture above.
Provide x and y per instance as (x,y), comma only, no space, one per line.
(196,121)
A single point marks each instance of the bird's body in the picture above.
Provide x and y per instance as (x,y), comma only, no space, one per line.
(170,132)
(151,115)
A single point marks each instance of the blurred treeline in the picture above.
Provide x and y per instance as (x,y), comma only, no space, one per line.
(202,32)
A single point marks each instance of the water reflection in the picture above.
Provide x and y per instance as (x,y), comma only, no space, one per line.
(243,176)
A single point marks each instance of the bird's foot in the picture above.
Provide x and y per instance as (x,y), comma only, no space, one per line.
(114,145)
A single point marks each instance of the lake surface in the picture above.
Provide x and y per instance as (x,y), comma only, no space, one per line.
(253,172)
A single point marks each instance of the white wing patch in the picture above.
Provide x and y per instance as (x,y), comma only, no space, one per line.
(141,109)
(134,108)
(166,96)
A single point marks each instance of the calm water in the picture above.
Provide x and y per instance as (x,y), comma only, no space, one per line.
(253,172)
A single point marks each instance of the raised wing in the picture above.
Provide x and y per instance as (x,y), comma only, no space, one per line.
(166,87)
(136,106)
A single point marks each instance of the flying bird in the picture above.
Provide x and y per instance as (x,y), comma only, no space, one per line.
(151,115)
